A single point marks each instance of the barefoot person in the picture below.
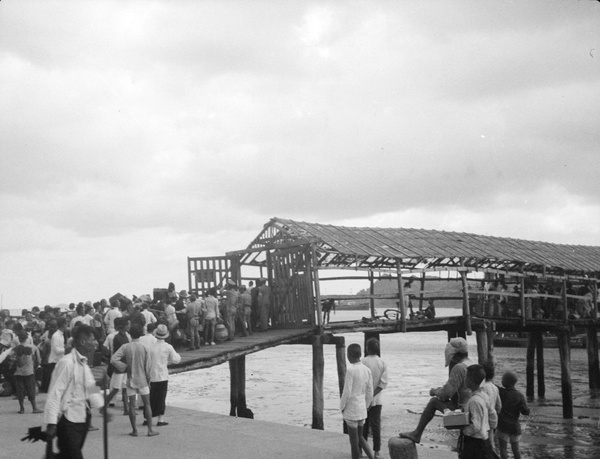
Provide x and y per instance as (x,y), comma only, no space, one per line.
(135,358)
(451,395)
(28,360)
(356,397)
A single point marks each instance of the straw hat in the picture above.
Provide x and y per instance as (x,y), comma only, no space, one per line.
(161,332)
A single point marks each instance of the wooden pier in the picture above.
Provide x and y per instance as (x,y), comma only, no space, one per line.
(501,284)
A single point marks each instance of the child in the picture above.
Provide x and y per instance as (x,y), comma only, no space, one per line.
(513,404)
(28,360)
(491,390)
(475,435)
(356,397)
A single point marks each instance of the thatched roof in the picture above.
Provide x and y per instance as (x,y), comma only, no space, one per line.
(347,247)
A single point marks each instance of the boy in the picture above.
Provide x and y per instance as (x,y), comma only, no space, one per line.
(491,390)
(475,435)
(513,404)
(356,397)
(28,360)
(380,379)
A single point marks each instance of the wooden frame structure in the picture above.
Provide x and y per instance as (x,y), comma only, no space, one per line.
(296,257)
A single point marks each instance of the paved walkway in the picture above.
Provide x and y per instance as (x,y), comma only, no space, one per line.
(189,434)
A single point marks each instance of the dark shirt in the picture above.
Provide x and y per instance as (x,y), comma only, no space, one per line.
(513,404)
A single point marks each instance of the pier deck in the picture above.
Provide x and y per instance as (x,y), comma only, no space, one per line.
(208,356)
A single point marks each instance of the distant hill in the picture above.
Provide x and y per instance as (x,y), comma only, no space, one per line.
(445,287)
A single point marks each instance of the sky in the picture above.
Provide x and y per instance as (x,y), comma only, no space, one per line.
(134,134)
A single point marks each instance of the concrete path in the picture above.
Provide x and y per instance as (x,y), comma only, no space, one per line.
(189,434)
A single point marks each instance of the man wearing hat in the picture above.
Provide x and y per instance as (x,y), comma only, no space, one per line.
(451,395)
(162,355)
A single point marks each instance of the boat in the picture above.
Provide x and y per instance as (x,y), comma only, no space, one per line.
(509,339)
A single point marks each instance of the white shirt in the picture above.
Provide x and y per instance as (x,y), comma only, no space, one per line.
(150,318)
(71,387)
(57,347)
(380,377)
(109,319)
(162,354)
(148,340)
(358,392)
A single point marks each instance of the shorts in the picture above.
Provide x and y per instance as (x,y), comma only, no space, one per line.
(354,424)
(131,391)
(509,438)
(118,381)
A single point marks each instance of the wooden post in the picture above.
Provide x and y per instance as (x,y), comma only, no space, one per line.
(539,349)
(595,298)
(490,340)
(401,298)
(233,387)
(318,368)
(522,299)
(592,351)
(564,349)
(482,346)
(530,362)
(340,358)
(422,290)
(565,302)
(466,309)
(315,276)
(372,292)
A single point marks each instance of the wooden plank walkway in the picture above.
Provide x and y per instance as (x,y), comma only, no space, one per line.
(208,356)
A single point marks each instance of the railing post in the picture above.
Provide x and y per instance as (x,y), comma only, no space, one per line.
(465,288)
(315,276)
(401,297)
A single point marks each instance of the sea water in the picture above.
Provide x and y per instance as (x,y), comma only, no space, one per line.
(279,389)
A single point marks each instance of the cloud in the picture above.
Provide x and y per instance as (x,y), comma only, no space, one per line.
(127,124)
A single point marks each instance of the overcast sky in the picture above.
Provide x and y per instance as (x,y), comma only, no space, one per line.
(136,134)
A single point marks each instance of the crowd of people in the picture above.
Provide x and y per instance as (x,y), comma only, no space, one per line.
(53,351)
(542,300)
(493,411)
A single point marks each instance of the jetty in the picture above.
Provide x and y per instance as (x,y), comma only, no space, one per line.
(500,285)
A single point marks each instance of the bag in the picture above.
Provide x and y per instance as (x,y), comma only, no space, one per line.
(194,322)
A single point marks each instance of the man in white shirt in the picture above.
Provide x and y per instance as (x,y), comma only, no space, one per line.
(57,343)
(111,315)
(72,392)
(380,380)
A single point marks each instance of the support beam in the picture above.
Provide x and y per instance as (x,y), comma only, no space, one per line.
(340,358)
(372,292)
(539,355)
(237,394)
(401,301)
(490,342)
(318,369)
(564,349)
(530,364)
(315,277)
(592,352)
(465,292)
(522,301)
(482,346)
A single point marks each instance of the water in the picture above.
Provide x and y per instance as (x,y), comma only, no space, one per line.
(279,389)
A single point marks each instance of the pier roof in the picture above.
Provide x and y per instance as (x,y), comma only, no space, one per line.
(381,248)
